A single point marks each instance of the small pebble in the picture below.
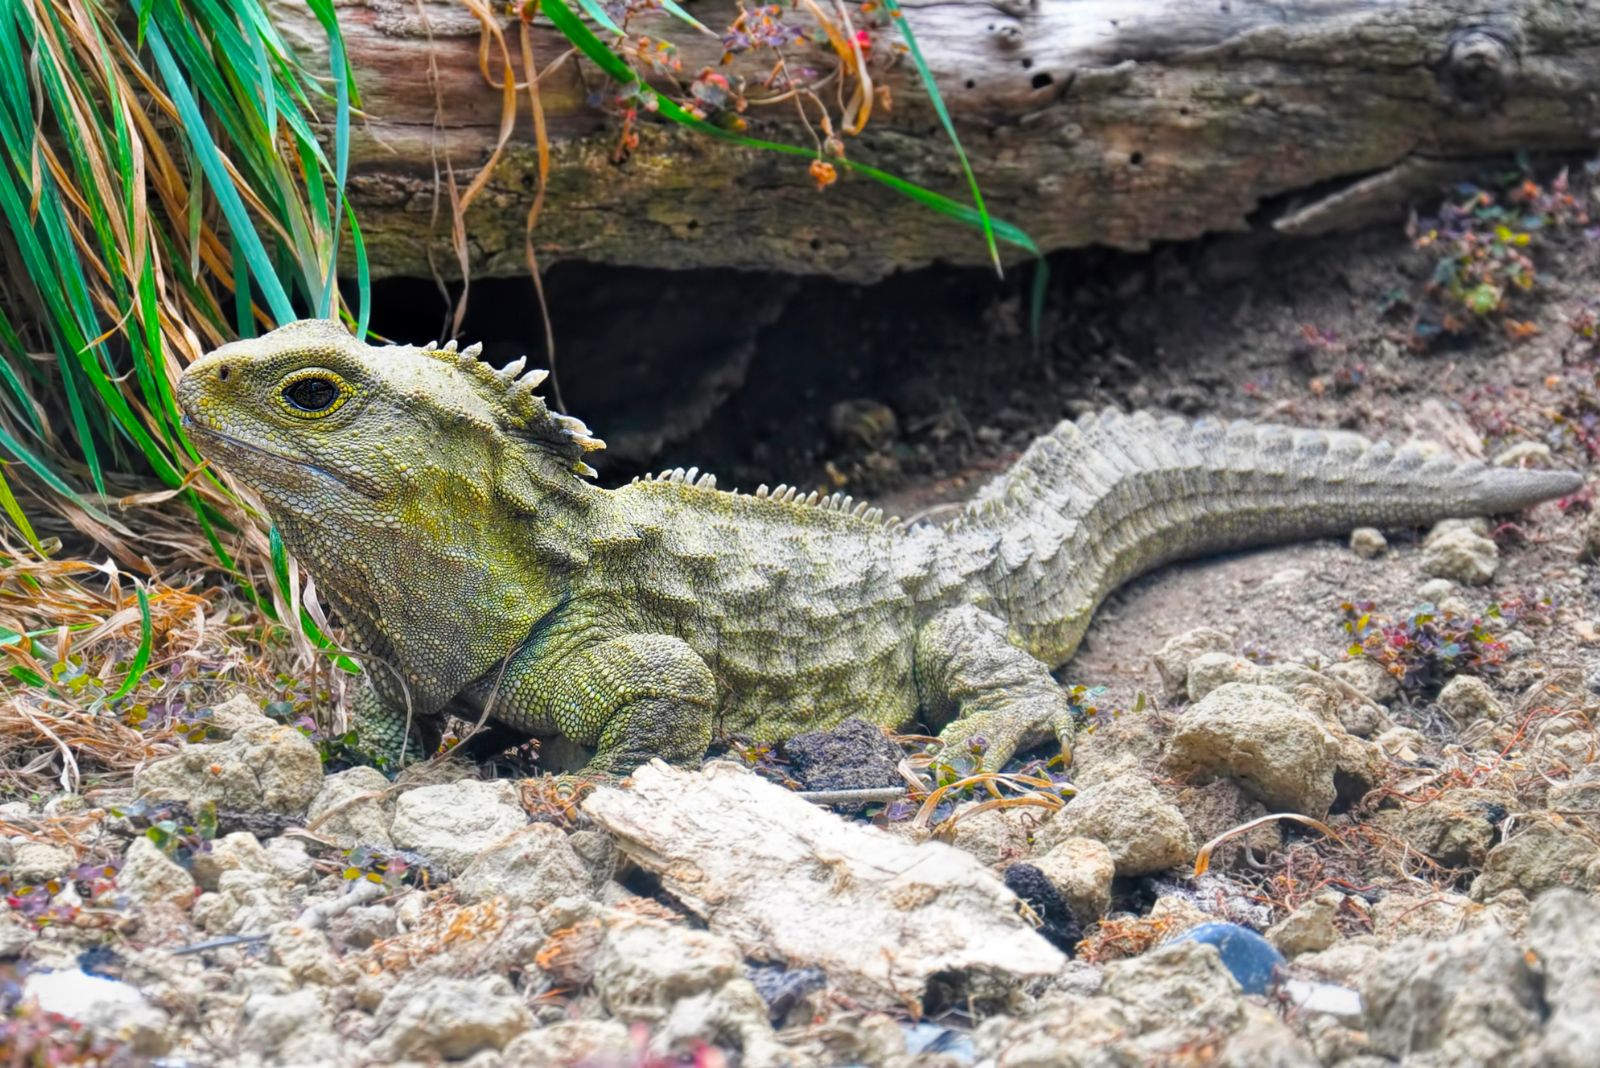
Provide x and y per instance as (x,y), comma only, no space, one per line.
(1435,590)
(1368,542)
(1252,960)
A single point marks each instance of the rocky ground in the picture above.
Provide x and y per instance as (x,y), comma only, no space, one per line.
(1334,804)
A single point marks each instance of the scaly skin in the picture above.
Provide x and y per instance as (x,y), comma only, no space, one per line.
(446,514)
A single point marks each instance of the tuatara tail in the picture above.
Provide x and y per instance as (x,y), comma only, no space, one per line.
(1097,502)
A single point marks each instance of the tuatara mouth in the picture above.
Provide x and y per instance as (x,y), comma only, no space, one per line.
(360,484)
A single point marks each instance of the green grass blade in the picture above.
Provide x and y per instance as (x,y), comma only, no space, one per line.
(141,659)
(932,87)
(221,183)
(43,472)
(593,9)
(673,8)
(363,274)
(19,519)
(280,574)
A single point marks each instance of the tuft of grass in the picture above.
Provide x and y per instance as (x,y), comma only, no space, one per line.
(162,191)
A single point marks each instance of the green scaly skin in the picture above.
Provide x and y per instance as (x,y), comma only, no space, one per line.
(448,517)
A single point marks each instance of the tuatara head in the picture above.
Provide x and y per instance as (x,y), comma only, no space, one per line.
(317,421)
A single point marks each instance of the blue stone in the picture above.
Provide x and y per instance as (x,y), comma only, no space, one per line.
(1253,960)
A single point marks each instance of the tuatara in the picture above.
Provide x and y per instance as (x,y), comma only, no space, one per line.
(450,518)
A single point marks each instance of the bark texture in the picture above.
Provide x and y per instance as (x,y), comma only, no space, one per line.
(1116,122)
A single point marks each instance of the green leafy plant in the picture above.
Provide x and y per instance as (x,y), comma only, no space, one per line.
(1424,649)
(1484,243)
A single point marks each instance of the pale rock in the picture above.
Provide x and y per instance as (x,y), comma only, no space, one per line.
(572,1042)
(1478,525)
(1459,552)
(1309,928)
(1457,828)
(1577,795)
(257,765)
(1177,913)
(1176,997)
(361,927)
(597,852)
(1279,752)
(1346,962)
(997,836)
(1081,870)
(452,823)
(306,953)
(1543,852)
(448,1019)
(107,1009)
(16,935)
(239,851)
(1518,644)
(1211,670)
(245,901)
(1435,590)
(530,868)
(291,862)
(1564,932)
(1471,1000)
(1142,830)
(1368,542)
(335,813)
(1172,660)
(690,986)
(149,877)
(800,875)
(290,1028)
(1367,677)
(33,863)
(1466,698)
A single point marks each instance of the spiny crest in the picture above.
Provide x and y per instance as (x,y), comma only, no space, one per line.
(834,502)
(842,503)
(510,394)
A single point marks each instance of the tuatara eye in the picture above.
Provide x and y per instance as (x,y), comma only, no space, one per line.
(314,395)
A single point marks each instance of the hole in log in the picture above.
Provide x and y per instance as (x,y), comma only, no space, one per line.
(971,84)
(1136,159)
(1042,80)
(1027,62)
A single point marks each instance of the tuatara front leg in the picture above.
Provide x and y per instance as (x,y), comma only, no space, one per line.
(1001,697)
(632,697)
(381,728)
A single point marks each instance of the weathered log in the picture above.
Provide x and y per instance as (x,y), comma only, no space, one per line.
(1117,122)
